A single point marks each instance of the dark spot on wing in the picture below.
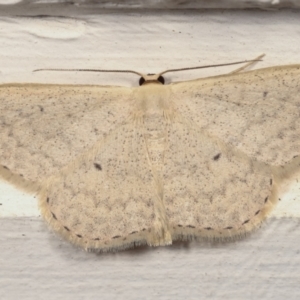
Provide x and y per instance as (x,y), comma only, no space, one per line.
(98,166)
(41,108)
(216,157)
(266,199)
(229,227)
(80,236)
(257,212)
(48,199)
(116,236)
(21,175)
(143,229)
(5,167)
(179,225)
(265,94)
(208,228)
(97,239)
(271,181)
(133,232)
(245,222)
(190,226)
(65,227)
(53,215)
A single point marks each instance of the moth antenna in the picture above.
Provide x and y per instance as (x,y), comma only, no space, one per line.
(247,65)
(91,70)
(249,62)
(218,65)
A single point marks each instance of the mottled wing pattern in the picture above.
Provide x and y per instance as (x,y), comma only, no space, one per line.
(238,135)
(255,112)
(211,190)
(107,199)
(117,167)
(43,127)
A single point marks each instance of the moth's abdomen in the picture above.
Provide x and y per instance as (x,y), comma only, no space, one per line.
(155,138)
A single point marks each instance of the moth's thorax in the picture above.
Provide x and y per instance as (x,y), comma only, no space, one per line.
(152,97)
(153,108)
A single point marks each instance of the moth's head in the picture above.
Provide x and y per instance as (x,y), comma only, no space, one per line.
(151,78)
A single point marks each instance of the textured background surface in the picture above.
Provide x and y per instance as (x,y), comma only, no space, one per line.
(35,263)
(90,5)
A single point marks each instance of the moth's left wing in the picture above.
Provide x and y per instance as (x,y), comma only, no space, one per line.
(44,127)
(107,199)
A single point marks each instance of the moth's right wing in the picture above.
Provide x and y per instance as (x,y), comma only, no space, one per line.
(256,112)
(211,190)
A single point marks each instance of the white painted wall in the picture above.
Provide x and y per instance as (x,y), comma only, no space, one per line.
(36,264)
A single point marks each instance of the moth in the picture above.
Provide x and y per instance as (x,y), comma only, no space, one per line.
(115,167)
